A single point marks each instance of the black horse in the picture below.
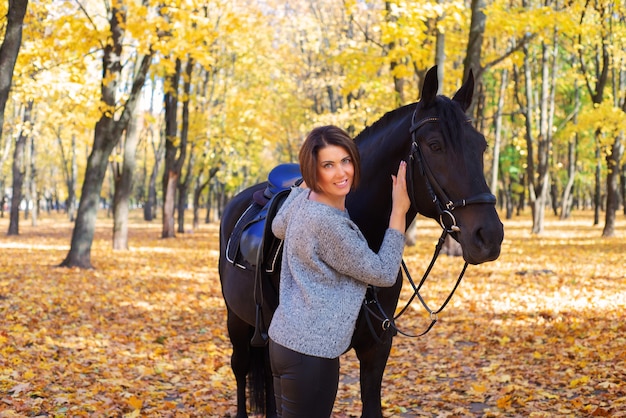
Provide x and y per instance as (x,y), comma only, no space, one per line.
(446,182)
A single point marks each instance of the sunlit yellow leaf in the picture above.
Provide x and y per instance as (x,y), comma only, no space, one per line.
(580,381)
(504,402)
(479,388)
(135,402)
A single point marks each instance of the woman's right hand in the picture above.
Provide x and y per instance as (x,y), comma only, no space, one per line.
(399,194)
(400,199)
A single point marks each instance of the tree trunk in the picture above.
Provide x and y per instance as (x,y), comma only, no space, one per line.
(9,50)
(473,53)
(411,233)
(451,247)
(599,72)
(598,180)
(538,171)
(612,189)
(169,200)
(84,227)
(71,186)
(508,199)
(398,82)
(551,108)
(107,134)
(197,192)
(32,183)
(170,174)
(18,173)
(209,202)
(623,187)
(440,50)
(151,200)
(183,186)
(530,140)
(566,204)
(124,186)
(157,148)
(70,170)
(183,194)
(148,211)
(498,133)
(542,187)
(3,198)
(200,187)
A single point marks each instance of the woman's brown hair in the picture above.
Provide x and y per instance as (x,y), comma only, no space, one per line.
(322,137)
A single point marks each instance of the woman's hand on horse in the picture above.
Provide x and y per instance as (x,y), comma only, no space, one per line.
(400,196)
(400,199)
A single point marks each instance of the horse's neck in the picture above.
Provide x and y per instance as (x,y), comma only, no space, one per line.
(369,207)
(370,204)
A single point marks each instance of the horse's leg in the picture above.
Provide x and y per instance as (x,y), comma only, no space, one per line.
(247,360)
(239,334)
(373,359)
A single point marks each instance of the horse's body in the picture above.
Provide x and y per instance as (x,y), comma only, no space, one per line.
(453,152)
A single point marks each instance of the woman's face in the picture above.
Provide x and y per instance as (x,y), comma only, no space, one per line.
(335,172)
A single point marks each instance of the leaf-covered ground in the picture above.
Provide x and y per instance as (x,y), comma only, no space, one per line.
(539,332)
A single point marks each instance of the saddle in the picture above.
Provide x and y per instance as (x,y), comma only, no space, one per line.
(253,246)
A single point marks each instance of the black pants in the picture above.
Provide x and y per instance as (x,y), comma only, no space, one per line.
(305,386)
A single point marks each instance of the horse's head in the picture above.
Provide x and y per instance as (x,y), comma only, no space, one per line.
(446,165)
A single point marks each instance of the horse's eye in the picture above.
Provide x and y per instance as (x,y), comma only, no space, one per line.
(435,146)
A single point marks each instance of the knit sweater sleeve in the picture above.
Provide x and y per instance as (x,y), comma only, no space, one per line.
(343,247)
(279,224)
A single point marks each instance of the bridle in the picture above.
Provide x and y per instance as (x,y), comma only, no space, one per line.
(445,207)
(437,194)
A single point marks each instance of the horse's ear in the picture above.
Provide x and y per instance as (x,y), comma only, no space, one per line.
(466,92)
(429,87)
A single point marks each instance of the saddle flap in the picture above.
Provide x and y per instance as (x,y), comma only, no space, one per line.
(234,241)
(258,244)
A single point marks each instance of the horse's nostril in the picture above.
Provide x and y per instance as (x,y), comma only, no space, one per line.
(487,243)
(480,239)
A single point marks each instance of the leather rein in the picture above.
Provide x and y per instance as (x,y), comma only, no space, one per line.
(445,207)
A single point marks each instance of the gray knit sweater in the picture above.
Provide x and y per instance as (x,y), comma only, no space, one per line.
(326,267)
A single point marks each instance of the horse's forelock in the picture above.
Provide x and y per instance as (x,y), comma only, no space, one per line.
(451,120)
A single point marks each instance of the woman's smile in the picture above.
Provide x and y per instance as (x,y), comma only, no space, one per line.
(335,172)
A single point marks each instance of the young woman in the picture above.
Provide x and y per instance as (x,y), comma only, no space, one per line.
(326,267)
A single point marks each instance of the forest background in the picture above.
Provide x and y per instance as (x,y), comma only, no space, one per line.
(174,107)
(179,105)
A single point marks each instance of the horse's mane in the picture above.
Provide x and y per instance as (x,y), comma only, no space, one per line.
(451,119)
(382,123)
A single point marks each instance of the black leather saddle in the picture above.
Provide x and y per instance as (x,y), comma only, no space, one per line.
(252,243)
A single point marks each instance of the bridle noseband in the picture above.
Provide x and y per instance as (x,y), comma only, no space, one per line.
(445,206)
